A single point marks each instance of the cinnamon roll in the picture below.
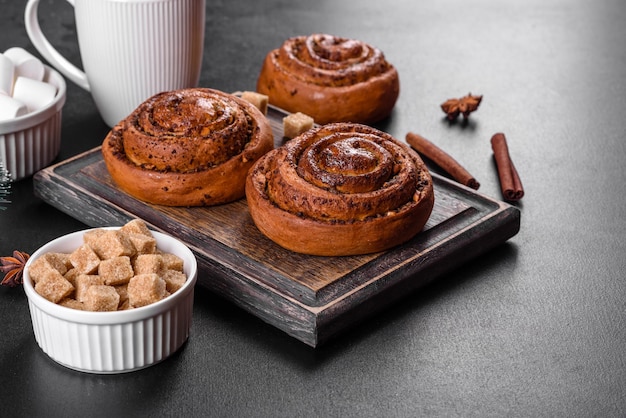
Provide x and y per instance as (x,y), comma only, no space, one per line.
(330,78)
(340,189)
(190,147)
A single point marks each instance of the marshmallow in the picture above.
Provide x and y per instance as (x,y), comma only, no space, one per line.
(7,75)
(26,64)
(11,108)
(35,94)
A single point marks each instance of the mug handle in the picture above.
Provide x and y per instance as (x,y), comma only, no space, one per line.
(47,50)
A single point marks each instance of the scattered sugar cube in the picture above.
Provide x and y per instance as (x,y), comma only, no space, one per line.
(101,298)
(83,282)
(174,280)
(116,270)
(296,123)
(148,263)
(144,289)
(85,260)
(259,100)
(53,286)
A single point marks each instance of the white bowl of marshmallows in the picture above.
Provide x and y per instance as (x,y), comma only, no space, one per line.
(32,96)
(111,300)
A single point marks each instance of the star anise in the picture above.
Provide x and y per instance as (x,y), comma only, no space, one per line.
(13,268)
(464,105)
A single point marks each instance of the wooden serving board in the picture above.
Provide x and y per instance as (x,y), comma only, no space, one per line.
(310,298)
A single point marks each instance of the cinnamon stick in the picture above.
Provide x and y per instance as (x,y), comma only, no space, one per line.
(510,182)
(442,159)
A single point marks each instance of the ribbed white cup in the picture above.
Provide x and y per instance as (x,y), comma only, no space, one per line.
(30,142)
(113,342)
(130,50)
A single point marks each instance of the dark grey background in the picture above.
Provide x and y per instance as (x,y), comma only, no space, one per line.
(534,328)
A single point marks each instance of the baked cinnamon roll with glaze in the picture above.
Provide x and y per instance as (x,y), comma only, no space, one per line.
(340,189)
(330,78)
(190,147)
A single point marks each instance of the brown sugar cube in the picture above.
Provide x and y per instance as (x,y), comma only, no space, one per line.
(83,282)
(122,290)
(48,261)
(90,237)
(85,260)
(38,268)
(113,243)
(101,298)
(71,275)
(172,262)
(53,286)
(72,303)
(148,263)
(257,99)
(174,280)
(143,244)
(136,226)
(117,270)
(295,124)
(145,289)
(60,260)
(124,305)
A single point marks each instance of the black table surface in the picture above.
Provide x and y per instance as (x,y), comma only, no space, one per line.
(535,327)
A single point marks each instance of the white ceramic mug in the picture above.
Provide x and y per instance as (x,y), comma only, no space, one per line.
(130,49)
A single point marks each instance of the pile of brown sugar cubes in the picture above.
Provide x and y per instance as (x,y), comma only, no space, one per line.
(112,270)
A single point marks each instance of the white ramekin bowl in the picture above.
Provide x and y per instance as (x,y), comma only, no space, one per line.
(113,342)
(31,142)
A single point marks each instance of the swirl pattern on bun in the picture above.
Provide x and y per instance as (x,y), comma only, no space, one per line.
(340,189)
(330,78)
(189,147)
